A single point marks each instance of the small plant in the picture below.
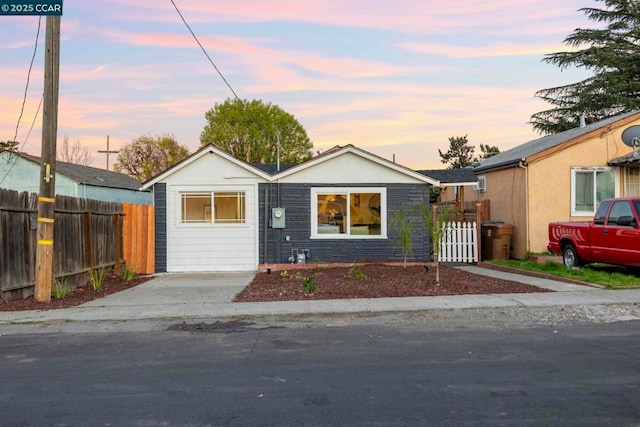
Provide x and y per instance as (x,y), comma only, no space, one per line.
(60,288)
(129,274)
(404,227)
(284,273)
(96,278)
(308,283)
(356,273)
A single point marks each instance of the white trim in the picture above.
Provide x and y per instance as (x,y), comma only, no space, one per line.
(361,153)
(207,150)
(593,169)
(315,191)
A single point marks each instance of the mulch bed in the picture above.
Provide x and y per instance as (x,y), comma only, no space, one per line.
(76,296)
(374,281)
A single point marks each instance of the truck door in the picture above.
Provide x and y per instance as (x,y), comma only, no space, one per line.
(598,235)
(621,235)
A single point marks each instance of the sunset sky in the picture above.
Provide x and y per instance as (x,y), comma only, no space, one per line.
(392,77)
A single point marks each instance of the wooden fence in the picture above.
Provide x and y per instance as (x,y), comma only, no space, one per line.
(139,237)
(88,234)
(459,242)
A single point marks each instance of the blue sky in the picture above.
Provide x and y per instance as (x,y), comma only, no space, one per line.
(396,78)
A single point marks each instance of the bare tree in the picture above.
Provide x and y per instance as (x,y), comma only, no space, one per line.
(147,156)
(74,153)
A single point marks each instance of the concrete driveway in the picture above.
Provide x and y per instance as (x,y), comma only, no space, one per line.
(186,288)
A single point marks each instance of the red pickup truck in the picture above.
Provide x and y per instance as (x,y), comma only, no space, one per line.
(613,237)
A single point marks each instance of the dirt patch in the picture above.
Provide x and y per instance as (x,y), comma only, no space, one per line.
(373,281)
(75,297)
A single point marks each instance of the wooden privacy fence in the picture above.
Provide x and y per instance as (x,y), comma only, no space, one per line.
(88,234)
(139,237)
(459,242)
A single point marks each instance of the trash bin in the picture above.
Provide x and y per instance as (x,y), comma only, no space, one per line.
(496,240)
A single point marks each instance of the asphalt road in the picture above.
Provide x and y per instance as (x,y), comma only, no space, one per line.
(323,371)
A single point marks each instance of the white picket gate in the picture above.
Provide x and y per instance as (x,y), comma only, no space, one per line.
(459,242)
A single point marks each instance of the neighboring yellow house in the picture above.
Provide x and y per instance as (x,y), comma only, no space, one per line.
(559,177)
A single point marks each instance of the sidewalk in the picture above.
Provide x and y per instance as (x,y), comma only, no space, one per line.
(209,295)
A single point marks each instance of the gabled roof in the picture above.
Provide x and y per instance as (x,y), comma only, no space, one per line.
(339,151)
(451,177)
(88,175)
(204,151)
(525,151)
(269,173)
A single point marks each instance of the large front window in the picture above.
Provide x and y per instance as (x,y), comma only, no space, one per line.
(348,212)
(590,186)
(213,208)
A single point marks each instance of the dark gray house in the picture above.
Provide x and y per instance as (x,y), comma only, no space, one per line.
(218,213)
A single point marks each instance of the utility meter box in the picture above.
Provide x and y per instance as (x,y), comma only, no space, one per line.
(277,218)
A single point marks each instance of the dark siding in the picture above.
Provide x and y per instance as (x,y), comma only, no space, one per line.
(160,201)
(295,198)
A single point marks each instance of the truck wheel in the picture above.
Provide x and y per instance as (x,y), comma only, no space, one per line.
(570,257)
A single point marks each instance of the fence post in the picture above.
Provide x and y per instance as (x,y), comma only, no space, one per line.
(117,230)
(89,240)
(479,229)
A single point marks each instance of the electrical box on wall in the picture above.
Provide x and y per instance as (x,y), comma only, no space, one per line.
(277,218)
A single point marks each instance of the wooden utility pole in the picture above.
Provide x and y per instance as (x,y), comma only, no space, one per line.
(107,152)
(46,198)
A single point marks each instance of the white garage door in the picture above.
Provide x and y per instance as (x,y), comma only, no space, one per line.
(212,229)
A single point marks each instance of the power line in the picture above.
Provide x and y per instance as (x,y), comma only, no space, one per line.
(204,51)
(26,89)
(24,100)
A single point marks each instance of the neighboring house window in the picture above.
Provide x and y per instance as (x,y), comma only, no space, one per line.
(348,212)
(481,186)
(589,186)
(632,181)
(228,208)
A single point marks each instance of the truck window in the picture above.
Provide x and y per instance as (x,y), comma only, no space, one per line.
(601,213)
(636,204)
(619,208)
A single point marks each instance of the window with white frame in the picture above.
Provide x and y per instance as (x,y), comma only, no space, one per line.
(348,212)
(589,186)
(481,186)
(222,207)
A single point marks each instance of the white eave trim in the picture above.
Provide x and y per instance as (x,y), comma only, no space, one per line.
(361,153)
(207,150)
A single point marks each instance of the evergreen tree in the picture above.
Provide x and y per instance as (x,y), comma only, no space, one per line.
(612,53)
(460,153)
(9,146)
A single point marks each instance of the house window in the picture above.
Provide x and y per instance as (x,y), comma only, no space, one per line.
(348,213)
(213,208)
(481,186)
(632,181)
(589,186)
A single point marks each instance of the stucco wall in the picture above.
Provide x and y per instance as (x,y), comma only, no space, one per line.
(505,191)
(550,181)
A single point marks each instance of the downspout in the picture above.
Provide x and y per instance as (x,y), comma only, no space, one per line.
(524,165)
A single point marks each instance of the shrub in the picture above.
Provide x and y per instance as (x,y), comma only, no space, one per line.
(129,274)
(355,272)
(308,283)
(60,288)
(96,278)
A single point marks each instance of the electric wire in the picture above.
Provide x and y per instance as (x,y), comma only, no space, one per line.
(24,101)
(204,51)
(26,89)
